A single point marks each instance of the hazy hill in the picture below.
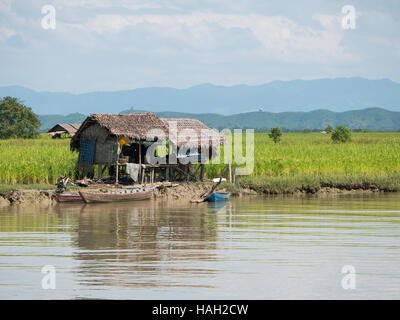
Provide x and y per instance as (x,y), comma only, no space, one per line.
(370,119)
(341,94)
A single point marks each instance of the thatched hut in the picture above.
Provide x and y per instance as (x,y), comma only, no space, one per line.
(66,129)
(123,140)
(102,137)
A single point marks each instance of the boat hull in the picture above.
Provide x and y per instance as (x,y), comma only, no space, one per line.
(68,197)
(128,195)
(214,197)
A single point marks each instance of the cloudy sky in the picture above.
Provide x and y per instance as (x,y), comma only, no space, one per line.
(121,44)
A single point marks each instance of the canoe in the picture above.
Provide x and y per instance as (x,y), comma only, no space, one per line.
(218,196)
(60,197)
(115,196)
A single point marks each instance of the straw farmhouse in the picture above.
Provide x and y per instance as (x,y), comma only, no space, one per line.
(64,130)
(124,142)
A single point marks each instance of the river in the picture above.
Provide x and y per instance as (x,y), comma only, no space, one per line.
(249,248)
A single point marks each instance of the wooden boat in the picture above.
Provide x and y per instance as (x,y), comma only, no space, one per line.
(61,197)
(115,196)
(218,196)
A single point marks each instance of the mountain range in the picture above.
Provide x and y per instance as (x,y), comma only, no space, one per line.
(358,103)
(369,119)
(340,94)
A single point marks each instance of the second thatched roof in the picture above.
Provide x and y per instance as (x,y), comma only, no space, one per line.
(70,128)
(193,130)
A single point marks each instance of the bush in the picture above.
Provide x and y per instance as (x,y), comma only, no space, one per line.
(341,134)
(275,134)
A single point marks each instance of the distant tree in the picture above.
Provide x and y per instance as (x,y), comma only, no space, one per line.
(328,129)
(275,134)
(17,120)
(341,134)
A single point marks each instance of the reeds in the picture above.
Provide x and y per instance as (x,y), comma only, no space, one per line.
(311,159)
(300,159)
(35,161)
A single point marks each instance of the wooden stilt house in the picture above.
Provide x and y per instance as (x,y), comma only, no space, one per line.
(121,142)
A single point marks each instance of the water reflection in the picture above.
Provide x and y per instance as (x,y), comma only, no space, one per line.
(277,247)
(120,243)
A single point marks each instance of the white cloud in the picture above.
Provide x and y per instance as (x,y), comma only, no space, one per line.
(128,43)
(279,36)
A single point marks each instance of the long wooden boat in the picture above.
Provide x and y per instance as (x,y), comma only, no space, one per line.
(115,196)
(218,196)
(61,197)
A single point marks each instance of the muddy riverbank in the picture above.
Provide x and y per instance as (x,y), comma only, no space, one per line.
(179,191)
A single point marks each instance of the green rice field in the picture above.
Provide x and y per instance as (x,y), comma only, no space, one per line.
(35,161)
(300,159)
(311,160)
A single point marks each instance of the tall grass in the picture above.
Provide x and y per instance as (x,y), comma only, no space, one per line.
(300,159)
(312,159)
(35,161)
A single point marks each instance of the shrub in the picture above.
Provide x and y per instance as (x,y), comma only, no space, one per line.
(275,134)
(341,134)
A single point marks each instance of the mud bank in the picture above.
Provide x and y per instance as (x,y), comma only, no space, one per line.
(317,190)
(181,191)
(27,197)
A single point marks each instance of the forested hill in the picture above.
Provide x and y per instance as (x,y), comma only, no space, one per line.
(369,119)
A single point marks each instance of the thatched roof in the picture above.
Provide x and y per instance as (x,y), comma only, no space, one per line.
(200,131)
(70,128)
(136,126)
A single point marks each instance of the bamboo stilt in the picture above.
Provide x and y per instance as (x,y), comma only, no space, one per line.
(99,171)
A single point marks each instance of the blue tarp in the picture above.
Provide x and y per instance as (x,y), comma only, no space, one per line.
(86,151)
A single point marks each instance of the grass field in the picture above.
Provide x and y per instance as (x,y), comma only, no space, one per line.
(306,160)
(311,161)
(35,161)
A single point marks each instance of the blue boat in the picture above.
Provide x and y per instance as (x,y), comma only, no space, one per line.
(218,196)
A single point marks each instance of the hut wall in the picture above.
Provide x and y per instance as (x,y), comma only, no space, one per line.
(106,147)
(107,152)
(95,133)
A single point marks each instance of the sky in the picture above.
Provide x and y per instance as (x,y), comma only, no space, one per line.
(119,44)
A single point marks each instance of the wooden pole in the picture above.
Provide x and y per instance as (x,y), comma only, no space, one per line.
(202,172)
(140,162)
(100,171)
(167,173)
(116,164)
(230,172)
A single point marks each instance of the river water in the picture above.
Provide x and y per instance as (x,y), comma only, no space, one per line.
(248,248)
